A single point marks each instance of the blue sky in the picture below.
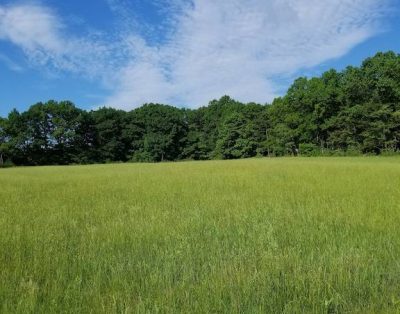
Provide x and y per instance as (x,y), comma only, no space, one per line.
(123,53)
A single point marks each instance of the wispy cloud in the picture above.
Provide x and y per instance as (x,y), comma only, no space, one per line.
(237,47)
(42,36)
(209,48)
(12,65)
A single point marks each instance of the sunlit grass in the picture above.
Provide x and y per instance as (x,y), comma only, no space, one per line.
(318,235)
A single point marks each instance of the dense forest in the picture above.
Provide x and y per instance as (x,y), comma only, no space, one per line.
(355,111)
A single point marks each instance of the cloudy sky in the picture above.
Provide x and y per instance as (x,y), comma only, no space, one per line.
(123,53)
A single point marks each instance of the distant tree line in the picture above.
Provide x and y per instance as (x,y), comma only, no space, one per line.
(356,111)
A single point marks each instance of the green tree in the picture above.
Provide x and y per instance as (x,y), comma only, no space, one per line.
(15,131)
(109,124)
(3,141)
(157,133)
(355,110)
(235,140)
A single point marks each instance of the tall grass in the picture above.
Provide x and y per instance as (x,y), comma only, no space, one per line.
(291,235)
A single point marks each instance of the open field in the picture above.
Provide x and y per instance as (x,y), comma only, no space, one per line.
(317,235)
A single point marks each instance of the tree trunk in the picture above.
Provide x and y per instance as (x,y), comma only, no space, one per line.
(1,160)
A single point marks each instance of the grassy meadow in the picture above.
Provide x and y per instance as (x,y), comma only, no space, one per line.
(284,235)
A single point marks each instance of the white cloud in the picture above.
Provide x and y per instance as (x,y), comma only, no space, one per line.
(237,47)
(39,32)
(212,48)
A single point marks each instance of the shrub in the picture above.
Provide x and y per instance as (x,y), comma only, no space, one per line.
(308,149)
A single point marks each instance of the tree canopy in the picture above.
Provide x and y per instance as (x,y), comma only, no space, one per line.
(355,111)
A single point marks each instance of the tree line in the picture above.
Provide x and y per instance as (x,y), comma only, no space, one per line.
(354,111)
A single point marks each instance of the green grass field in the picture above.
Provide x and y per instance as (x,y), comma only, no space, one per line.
(290,235)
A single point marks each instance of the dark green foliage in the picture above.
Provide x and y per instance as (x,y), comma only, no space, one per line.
(356,111)
(50,133)
(3,141)
(306,149)
(156,133)
(109,142)
(353,112)
(235,138)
